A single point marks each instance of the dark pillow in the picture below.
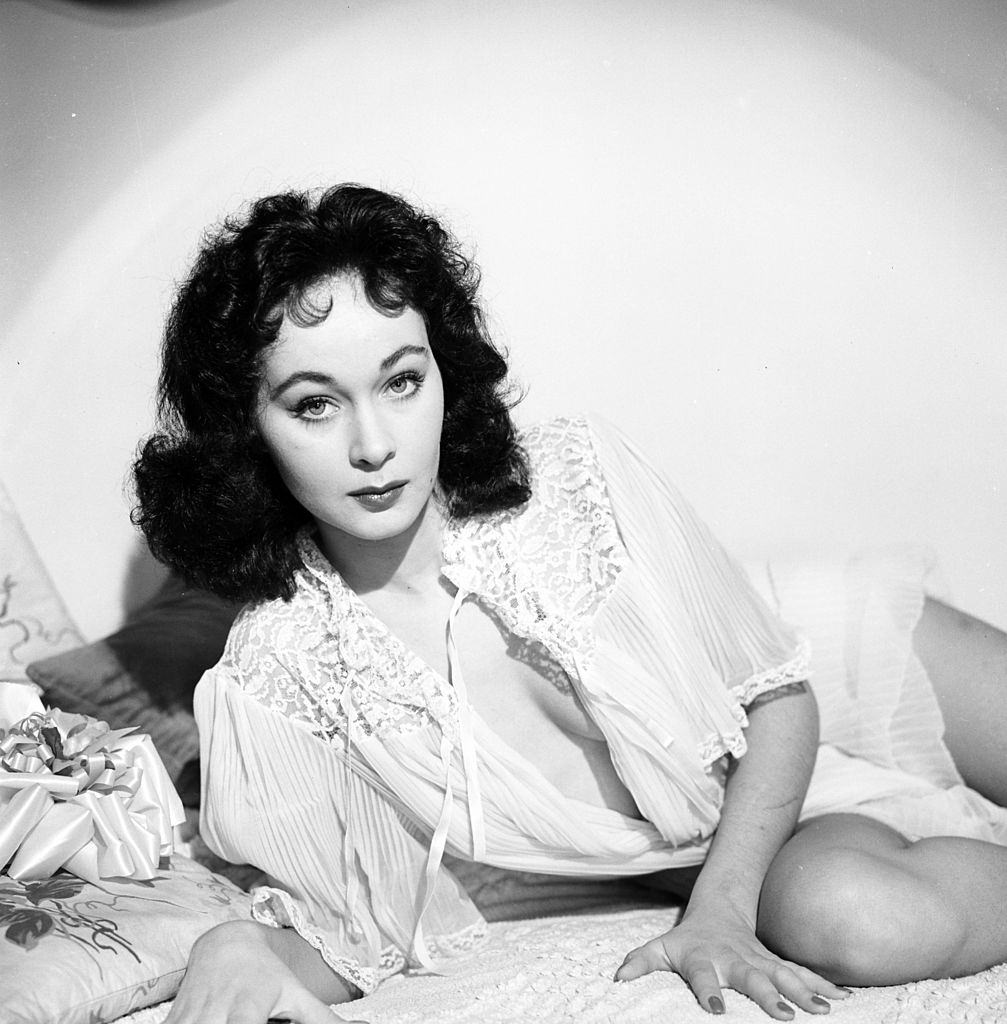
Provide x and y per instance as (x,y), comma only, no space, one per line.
(143,675)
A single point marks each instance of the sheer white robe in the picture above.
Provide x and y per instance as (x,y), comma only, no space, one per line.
(345,768)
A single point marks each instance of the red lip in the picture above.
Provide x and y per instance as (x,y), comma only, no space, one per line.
(379,499)
(378,490)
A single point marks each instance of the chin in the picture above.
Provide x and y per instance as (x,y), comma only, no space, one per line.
(375,527)
(376,534)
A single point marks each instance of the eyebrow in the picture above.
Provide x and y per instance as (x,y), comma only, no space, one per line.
(405,350)
(314,377)
(301,377)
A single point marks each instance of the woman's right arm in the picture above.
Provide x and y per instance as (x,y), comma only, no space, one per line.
(243,972)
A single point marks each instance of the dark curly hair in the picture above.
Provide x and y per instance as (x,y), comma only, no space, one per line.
(209,500)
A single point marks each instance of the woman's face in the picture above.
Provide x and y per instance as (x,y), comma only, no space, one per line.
(351,411)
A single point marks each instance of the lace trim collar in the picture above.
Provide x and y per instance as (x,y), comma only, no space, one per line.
(545,568)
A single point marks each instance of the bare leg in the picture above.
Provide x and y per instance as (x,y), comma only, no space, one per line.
(966,660)
(855,901)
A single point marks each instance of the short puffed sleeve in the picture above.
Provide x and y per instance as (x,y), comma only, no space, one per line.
(740,635)
(682,645)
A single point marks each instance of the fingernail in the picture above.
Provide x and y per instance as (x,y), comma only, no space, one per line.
(846,991)
(716,1004)
(785,1008)
(819,1001)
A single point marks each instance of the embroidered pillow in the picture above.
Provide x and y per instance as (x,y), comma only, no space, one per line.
(33,621)
(76,953)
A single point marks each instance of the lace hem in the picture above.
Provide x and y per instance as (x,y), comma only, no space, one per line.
(716,745)
(392,961)
(794,671)
(458,943)
(441,947)
(279,909)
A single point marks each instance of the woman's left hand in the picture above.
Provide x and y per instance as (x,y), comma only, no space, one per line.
(720,950)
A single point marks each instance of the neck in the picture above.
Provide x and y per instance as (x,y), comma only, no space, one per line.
(404,563)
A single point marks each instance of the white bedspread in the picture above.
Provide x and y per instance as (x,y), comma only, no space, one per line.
(559,970)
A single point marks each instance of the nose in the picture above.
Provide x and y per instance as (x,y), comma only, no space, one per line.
(372,443)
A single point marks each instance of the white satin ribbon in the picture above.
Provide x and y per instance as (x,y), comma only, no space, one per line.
(470,766)
(469,760)
(75,794)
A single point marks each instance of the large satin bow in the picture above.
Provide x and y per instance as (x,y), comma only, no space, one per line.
(78,795)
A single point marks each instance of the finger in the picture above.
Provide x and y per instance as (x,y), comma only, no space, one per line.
(819,984)
(755,983)
(705,984)
(640,961)
(306,1009)
(798,989)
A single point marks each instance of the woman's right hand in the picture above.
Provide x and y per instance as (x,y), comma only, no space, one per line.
(236,975)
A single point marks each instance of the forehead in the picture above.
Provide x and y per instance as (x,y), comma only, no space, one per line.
(341,327)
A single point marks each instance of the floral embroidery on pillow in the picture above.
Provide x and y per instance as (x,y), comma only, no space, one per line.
(23,637)
(48,910)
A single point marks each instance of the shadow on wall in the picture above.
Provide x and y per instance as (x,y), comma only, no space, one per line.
(144,577)
(127,12)
(881,27)
(774,219)
(963,72)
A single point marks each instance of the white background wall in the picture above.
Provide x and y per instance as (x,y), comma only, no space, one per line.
(767,237)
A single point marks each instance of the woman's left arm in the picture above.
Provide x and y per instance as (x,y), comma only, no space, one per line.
(714,945)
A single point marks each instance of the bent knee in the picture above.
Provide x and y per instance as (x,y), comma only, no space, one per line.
(855,917)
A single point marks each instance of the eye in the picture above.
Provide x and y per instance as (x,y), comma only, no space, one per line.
(314,409)
(405,384)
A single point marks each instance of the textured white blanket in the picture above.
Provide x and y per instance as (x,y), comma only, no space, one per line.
(559,969)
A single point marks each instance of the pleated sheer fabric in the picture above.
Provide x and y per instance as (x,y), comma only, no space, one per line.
(347,769)
(882,753)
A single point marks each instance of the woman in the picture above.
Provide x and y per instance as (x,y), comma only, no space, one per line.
(524,653)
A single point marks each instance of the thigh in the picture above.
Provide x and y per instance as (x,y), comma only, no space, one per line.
(860,904)
(966,660)
(821,852)
(820,836)
(838,899)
